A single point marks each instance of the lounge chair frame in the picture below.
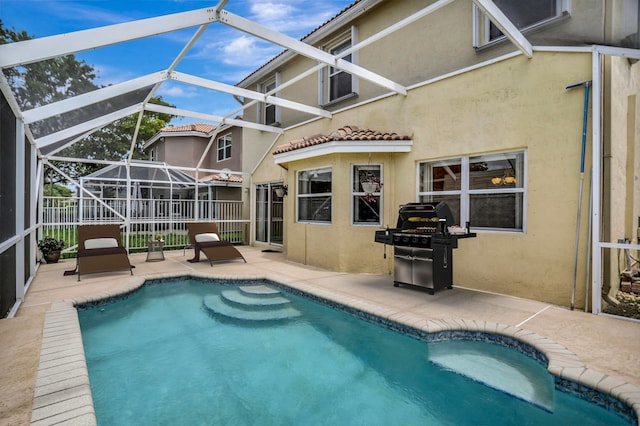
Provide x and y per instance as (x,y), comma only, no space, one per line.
(216,250)
(101,260)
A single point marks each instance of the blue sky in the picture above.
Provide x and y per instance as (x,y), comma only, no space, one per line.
(221,54)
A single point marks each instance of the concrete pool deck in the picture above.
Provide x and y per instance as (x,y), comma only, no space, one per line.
(597,349)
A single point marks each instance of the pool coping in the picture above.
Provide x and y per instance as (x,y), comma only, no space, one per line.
(63,393)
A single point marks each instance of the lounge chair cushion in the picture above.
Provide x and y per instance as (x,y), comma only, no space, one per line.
(101,252)
(204,238)
(100,243)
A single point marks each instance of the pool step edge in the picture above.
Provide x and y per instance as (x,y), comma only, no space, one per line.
(215,304)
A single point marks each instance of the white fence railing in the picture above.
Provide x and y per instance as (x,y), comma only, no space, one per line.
(148,219)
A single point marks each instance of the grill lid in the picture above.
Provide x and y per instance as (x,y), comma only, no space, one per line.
(424,217)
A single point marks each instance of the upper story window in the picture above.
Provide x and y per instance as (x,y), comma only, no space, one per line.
(152,154)
(525,15)
(269,113)
(366,194)
(335,83)
(224,147)
(486,190)
(313,195)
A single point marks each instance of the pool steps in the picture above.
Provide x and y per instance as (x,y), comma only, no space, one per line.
(251,303)
(499,371)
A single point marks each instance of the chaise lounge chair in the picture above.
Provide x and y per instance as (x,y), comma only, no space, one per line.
(100,250)
(204,236)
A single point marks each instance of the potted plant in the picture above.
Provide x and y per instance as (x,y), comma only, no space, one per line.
(281,191)
(51,248)
(370,184)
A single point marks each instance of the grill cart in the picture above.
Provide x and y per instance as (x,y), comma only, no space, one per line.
(423,241)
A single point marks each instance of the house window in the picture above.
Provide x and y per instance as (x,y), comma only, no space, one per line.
(313,195)
(366,195)
(486,190)
(270,113)
(224,147)
(335,83)
(524,15)
(152,154)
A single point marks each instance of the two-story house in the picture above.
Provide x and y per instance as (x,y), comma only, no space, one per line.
(504,109)
(208,153)
(479,104)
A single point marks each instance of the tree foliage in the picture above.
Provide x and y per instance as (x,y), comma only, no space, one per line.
(57,190)
(44,82)
(113,142)
(59,78)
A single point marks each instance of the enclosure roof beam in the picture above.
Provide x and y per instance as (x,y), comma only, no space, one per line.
(356,47)
(489,8)
(221,4)
(238,91)
(87,126)
(28,51)
(72,141)
(279,88)
(397,26)
(92,97)
(307,50)
(215,118)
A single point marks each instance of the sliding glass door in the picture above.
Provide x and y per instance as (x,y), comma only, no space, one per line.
(269,213)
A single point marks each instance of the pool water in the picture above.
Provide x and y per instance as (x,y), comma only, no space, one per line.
(161,357)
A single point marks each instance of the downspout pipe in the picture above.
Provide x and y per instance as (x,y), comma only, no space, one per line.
(587,85)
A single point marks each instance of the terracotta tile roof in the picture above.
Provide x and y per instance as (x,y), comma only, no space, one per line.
(197,127)
(346,133)
(221,178)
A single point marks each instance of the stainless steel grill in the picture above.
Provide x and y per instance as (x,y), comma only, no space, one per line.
(423,240)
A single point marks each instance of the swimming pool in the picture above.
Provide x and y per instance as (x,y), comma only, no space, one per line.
(169,353)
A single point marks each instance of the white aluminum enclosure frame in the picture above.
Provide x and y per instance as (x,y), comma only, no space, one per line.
(597,245)
(35,50)
(29,51)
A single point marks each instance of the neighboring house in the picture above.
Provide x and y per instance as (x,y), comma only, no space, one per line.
(213,155)
(458,112)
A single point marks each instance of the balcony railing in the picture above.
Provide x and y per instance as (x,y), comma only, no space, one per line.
(146,219)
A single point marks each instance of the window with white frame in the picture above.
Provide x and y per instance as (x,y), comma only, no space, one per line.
(366,194)
(335,83)
(152,154)
(486,190)
(224,147)
(270,113)
(525,15)
(313,195)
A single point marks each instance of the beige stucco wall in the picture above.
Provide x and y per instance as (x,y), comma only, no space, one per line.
(181,151)
(437,44)
(515,104)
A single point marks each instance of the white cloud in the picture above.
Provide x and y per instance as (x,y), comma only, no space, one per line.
(176,91)
(266,11)
(294,17)
(241,51)
(107,75)
(247,51)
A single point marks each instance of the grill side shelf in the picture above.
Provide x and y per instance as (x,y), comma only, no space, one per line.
(385,236)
